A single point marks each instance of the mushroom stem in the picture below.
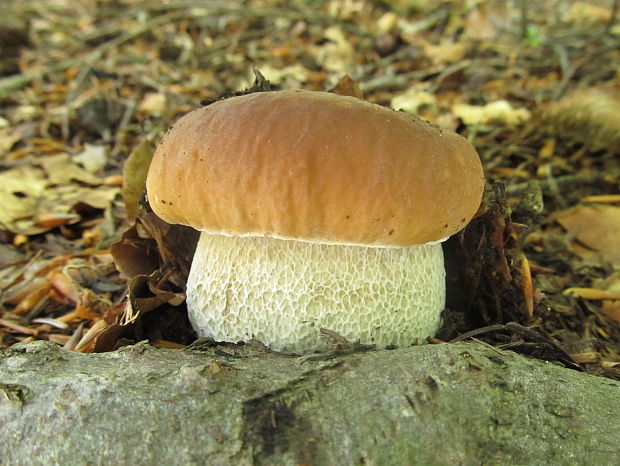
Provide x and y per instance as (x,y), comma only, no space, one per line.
(282,292)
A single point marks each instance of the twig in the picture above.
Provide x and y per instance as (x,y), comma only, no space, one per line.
(404,54)
(13,83)
(567,71)
(206,10)
(17,327)
(548,186)
(488,345)
(480,331)
(523,4)
(612,17)
(458,66)
(118,139)
(100,51)
(398,80)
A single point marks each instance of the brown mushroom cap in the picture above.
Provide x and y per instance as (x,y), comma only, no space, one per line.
(317,167)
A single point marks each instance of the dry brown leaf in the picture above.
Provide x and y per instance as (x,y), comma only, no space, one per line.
(175,243)
(611,307)
(595,226)
(347,86)
(146,293)
(484,20)
(135,255)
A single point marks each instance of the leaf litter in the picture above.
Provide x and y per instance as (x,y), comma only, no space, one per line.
(86,264)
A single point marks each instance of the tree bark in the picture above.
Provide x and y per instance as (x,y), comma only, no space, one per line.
(462,403)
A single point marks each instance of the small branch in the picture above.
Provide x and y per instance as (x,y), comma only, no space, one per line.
(523,4)
(398,80)
(567,71)
(612,17)
(548,186)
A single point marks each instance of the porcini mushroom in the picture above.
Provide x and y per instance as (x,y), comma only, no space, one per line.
(317,211)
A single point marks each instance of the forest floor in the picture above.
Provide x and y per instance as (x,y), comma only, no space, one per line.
(87,85)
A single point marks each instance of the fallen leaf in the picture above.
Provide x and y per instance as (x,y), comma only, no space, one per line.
(135,255)
(93,158)
(581,12)
(602,198)
(30,194)
(612,309)
(387,21)
(154,104)
(414,100)
(480,22)
(337,54)
(8,138)
(499,111)
(20,189)
(61,169)
(548,149)
(108,338)
(446,52)
(9,254)
(146,293)
(611,284)
(63,199)
(593,294)
(135,170)
(176,245)
(347,86)
(277,76)
(595,226)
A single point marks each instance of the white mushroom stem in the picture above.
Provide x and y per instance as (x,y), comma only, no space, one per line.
(282,292)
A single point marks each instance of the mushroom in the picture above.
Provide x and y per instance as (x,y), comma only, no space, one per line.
(317,211)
